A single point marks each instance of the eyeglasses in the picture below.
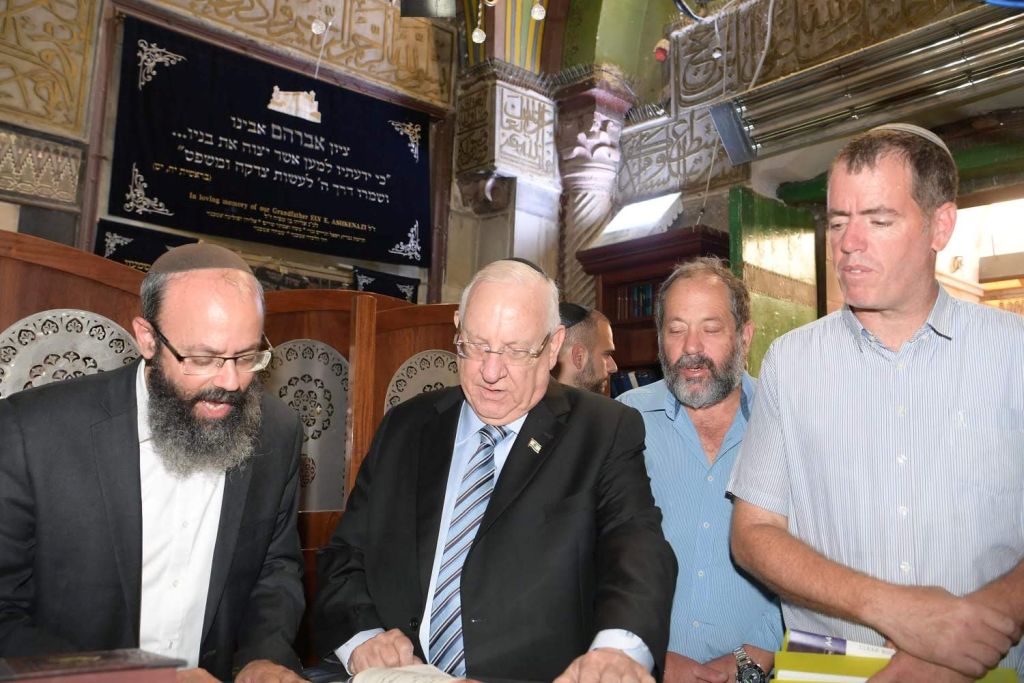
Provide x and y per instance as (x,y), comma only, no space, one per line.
(512,356)
(207,366)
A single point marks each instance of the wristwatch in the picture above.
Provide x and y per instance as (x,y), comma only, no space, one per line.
(746,670)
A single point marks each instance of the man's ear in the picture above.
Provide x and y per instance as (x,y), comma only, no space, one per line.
(579,356)
(943,221)
(144,337)
(748,336)
(555,346)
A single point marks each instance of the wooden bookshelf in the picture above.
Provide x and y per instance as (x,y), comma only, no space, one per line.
(627,276)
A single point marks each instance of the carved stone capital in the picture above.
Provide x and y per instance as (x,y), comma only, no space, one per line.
(592,104)
(505,124)
(485,193)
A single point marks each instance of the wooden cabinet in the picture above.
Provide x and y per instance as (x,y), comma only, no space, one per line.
(627,276)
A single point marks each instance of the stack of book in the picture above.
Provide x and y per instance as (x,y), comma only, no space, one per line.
(827,659)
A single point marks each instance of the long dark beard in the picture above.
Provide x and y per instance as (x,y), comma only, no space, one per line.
(722,382)
(188,444)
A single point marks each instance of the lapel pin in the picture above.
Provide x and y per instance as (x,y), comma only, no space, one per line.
(534,445)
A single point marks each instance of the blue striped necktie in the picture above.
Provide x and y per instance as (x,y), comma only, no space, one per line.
(446,649)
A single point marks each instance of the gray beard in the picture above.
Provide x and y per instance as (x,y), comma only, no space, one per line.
(187,444)
(694,394)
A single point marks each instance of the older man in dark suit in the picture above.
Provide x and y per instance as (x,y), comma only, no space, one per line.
(154,506)
(504,528)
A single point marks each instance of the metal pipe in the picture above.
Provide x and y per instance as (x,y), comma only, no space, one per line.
(870,67)
(880,111)
(961,68)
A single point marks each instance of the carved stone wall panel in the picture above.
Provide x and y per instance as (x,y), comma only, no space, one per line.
(525,132)
(474,134)
(805,33)
(505,129)
(366,39)
(673,155)
(46,54)
(39,168)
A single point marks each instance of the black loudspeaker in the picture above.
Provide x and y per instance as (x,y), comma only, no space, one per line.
(434,9)
(737,143)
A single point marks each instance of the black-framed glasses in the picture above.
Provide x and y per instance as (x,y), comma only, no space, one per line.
(511,355)
(207,366)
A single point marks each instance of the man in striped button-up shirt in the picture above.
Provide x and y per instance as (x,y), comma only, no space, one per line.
(880,487)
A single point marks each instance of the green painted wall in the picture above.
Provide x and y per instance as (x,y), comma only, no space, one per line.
(581,32)
(652,76)
(623,33)
(778,242)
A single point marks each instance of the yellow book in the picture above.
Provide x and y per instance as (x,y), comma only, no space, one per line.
(833,668)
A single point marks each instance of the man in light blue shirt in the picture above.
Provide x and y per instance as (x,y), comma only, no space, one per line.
(880,487)
(695,420)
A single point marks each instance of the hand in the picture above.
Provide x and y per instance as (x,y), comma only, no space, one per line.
(388,650)
(265,671)
(935,625)
(680,669)
(909,669)
(605,665)
(194,676)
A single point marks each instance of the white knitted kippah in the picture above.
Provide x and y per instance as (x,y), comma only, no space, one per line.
(915,130)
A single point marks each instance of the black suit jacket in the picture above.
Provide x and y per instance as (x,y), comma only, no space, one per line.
(570,544)
(71,530)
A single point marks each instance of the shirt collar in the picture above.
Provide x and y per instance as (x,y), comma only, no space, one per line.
(470,424)
(940,320)
(941,317)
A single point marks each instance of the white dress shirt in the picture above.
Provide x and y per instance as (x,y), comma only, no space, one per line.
(180,517)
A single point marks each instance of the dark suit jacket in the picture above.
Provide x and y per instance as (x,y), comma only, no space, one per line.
(570,544)
(71,530)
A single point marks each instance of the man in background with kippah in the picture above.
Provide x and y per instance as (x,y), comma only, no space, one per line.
(153,506)
(585,360)
(880,486)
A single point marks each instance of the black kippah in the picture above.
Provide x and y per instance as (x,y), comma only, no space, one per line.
(572,314)
(528,262)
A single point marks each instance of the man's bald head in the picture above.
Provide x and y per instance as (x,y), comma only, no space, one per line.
(189,258)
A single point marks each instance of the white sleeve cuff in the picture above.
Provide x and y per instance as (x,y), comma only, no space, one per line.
(345,651)
(628,642)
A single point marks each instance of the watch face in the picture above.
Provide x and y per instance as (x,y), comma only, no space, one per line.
(751,673)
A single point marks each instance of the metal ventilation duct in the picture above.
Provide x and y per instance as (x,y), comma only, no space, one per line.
(972,55)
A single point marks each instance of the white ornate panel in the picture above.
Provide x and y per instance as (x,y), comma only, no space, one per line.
(312,378)
(60,344)
(426,371)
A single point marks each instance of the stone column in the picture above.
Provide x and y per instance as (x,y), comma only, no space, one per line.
(592,104)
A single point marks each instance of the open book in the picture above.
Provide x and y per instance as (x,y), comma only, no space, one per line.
(418,673)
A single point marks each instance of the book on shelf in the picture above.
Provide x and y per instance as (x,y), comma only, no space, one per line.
(625,380)
(109,666)
(634,302)
(811,657)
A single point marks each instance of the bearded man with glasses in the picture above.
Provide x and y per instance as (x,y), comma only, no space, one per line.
(505,528)
(154,506)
